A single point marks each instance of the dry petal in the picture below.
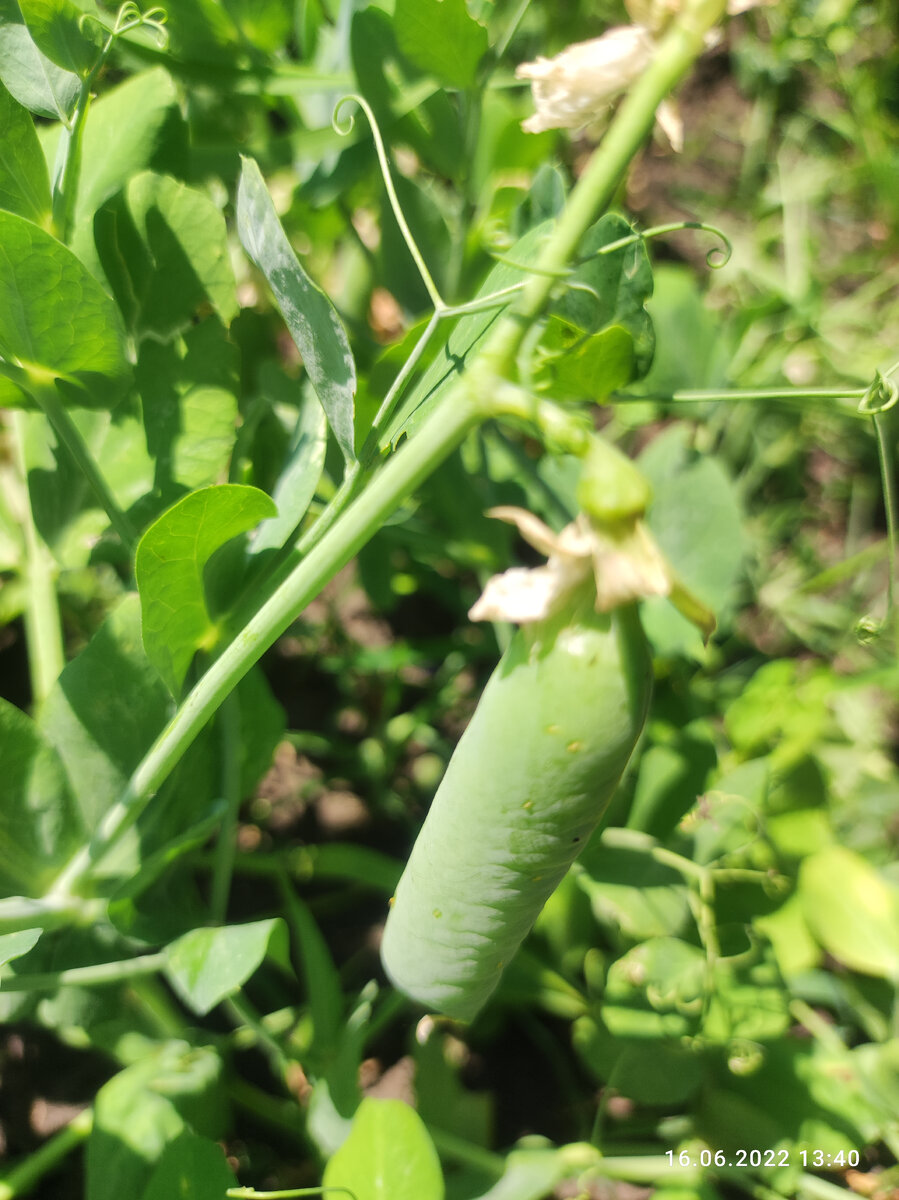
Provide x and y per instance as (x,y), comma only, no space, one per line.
(577,86)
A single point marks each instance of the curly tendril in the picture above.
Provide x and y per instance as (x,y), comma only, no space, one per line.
(344,129)
(880,397)
(716,258)
(127,18)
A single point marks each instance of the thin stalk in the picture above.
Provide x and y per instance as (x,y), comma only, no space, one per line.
(242,1013)
(23,1179)
(399,476)
(891,508)
(43,628)
(68,433)
(226,844)
(97,975)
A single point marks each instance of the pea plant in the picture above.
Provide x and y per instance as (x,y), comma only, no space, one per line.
(310,306)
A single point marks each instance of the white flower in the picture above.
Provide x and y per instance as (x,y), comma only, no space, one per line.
(579,85)
(625,566)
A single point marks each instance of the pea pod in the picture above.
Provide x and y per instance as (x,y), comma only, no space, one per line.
(525,788)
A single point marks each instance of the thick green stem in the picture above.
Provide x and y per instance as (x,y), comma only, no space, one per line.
(471,401)
(396,480)
(23,1179)
(43,629)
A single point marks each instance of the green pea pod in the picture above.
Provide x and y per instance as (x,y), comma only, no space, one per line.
(525,788)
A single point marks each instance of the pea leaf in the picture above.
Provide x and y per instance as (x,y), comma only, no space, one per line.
(24,184)
(55,317)
(313,323)
(696,519)
(164,249)
(388,1155)
(206,965)
(40,825)
(192,1158)
(104,712)
(442,38)
(188,389)
(298,479)
(14,945)
(54,26)
(169,571)
(852,911)
(37,83)
(133,126)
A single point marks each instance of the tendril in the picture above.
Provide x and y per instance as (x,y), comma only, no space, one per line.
(344,129)
(127,18)
(880,397)
(716,258)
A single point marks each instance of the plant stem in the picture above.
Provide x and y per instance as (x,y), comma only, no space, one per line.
(21,912)
(399,476)
(43,628)
(472,400)
(96,975)
(68,433)
(25,1177)
(891,508)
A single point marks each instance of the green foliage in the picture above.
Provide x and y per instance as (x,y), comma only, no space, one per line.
(246,453)
(388,1153)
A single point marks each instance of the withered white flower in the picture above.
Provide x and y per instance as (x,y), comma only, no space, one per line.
(579,85)
(625,565)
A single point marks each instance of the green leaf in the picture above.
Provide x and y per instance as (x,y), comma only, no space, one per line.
(586,366)
(388,1155)
(24,184)
(206,965)
(37,83)
(55,318)
(313,323)
(14,945)
(164,249)
(169,571)
(105,711)
(127,129)
(39,821)
(190,1167)
(852,911)
(140,1114)
(65,509)
(599,336)
(264,23)
(188,391)
(298,480)
(442,38)
(54,26)
(653,1071)
(696,519)
(655,990)
(133,1124)
(632,893)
